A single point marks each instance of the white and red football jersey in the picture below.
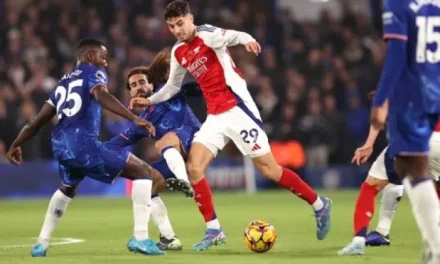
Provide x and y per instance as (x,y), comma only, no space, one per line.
(207,58)
(437,127)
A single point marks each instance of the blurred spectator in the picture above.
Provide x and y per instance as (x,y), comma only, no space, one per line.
(316,133)
(3,158)
(310,81)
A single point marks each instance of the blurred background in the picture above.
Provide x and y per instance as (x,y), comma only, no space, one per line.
(320,59)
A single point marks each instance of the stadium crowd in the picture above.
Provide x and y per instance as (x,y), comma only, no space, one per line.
(310,82)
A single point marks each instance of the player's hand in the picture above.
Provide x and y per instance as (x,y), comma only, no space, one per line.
(253,47)
(139,102)
(147,125)
(379,116)
(362,154)
(15,155)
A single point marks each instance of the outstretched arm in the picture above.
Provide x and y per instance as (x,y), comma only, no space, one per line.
(172,87)
(109,102)
(29,131)
(218,38)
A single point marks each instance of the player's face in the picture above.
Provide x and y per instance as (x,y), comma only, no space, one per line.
(139,86)
(100,57)
(182,27)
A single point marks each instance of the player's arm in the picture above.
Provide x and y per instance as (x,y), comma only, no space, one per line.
(218,38)
(192,89)
(109,102)
(392,70)
(98,85)
(396,33)
(32,128)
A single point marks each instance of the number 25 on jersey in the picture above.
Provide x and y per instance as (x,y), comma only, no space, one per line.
(428,35)
(65,96)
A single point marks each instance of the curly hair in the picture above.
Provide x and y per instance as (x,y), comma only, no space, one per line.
(159,69)
(157,72)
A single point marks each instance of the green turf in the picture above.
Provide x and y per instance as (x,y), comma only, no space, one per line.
(106,226)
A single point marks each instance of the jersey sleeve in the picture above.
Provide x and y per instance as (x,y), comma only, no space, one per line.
(395,20)
(129,137)
(218,38)
(52,99)
(175,79)
(97,77)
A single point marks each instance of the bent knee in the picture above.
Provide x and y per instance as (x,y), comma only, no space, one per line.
(378,184)
(69,191)
(270,171)
(195,171)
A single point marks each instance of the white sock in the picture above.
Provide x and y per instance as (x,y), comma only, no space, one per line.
(318,204)
(407,188)
(359,240)
(141,196)
(57,207)
(390,199)
(427,208)
(176,163)
(213,224)
(159,215)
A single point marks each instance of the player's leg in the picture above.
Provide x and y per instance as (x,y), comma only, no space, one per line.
(434,159)
(383,168)
(248,135)
(391,196)
(364,210)
(199,158)
(409,141)
(423,198)
(171,150)
(208,141)
(140,173)
(58,204)
(116,161)
(159,213)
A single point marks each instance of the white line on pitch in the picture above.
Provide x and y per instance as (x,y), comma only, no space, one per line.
(63,241)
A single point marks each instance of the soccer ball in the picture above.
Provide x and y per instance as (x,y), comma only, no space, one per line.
(260,236)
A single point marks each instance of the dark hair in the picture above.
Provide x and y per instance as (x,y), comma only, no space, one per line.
(86,44)
(89,42)
(157,72)
(177,8)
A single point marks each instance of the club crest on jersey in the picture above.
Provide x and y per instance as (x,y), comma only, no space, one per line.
(190,54)
(183,61)
(101,76)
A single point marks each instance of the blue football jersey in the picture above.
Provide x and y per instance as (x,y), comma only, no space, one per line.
(418,23)
(168,116)
(78,112)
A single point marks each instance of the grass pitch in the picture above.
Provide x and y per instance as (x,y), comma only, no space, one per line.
(105,225)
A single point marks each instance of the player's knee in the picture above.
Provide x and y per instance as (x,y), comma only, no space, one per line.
(267,166)
(195,172)
(142,171)
(158,146)
(378,184)
(69,191)
(271,171)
